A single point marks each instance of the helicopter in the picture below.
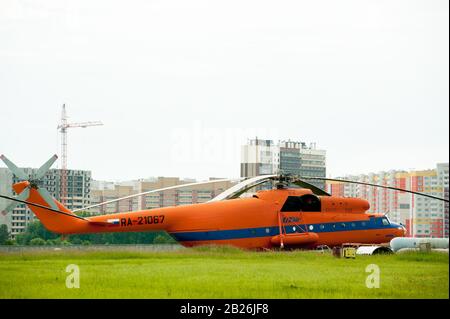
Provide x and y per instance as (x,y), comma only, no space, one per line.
(293,214)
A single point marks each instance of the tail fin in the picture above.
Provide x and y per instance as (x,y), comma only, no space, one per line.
(61,221)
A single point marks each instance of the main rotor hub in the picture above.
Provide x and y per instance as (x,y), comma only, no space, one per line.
(283,181)
(35,183)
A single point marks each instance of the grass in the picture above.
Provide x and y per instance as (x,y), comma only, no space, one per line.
(221,272)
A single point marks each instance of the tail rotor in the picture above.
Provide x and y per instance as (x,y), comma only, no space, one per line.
(34,181)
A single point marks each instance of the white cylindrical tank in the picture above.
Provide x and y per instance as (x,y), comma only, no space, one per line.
(373,250)
(411,242)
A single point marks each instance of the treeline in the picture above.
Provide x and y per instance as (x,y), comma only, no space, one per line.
(36,234)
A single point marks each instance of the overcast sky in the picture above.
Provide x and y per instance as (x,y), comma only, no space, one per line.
(180,85)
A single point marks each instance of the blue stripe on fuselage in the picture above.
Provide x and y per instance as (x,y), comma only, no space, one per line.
(371,224)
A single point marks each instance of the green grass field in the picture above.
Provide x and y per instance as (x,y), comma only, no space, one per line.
(221,273)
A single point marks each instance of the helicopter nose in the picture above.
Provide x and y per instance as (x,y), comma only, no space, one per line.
(401,230)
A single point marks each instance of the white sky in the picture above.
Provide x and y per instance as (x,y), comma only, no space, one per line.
(181,84)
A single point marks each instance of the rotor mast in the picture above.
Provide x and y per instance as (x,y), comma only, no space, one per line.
(62,127)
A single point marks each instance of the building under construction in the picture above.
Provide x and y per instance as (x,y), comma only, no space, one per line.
(68,186)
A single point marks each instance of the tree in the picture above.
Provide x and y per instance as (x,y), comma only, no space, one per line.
(37,241)
(10,242)
(163,239)
(66,243)
(4,235)
(76,241)
(36,230)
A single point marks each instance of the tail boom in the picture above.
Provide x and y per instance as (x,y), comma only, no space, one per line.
(66,222)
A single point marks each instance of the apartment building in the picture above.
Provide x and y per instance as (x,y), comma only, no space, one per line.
(422,216)
(183,196)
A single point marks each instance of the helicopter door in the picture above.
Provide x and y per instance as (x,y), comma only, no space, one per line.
(292,230)
(290,216)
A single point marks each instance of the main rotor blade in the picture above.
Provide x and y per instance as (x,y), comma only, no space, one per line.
(14,169)
(47,197)
(22,196)
(376,185)
(44,168)
(153,191)
(229,193)
(41,206)
(316,190)
(238,194)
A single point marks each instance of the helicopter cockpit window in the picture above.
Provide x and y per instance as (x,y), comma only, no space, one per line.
(305,203)
(385,221)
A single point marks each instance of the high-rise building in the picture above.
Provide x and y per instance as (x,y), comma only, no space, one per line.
(175,197)
(422,216)
(261,157)
(78,194)
(299,159)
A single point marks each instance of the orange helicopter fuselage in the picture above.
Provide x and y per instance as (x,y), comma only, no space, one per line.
(269,219)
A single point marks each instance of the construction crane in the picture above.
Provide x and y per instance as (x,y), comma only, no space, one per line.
(62,127)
